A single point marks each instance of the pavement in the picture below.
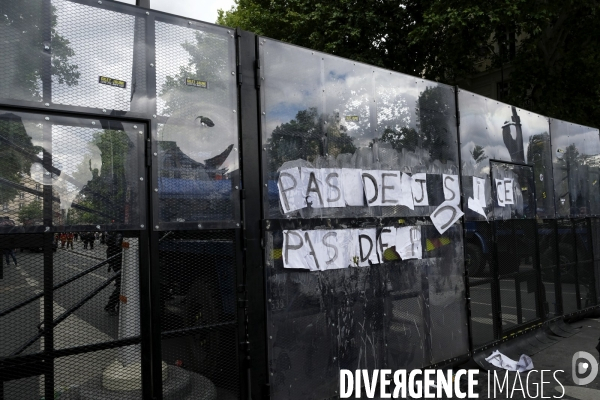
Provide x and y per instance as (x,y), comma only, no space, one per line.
(557,362)
(87,325)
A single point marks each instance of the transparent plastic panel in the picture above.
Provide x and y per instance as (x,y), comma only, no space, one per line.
(575,154)
(331,119)
(513,193)
(199,314)
(197,139)
(93,168)
(95,57)
(394,314)
(22,49)
(490,130)
(293,112)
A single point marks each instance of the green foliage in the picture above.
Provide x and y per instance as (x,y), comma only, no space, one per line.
(16,152)
(106,191)
(554,68)
(22,26)
(302,138)
(30,212)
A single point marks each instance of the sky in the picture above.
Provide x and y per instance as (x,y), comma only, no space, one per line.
(204,10)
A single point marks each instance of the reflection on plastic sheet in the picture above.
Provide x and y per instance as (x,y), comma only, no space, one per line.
(490,130)
(377,127)
(94,173)
(391,315)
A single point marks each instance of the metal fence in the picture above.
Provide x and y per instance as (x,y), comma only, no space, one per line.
(193,212)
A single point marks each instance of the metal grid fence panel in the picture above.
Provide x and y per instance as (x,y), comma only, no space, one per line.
(199,312)
(94,43)
(197,139)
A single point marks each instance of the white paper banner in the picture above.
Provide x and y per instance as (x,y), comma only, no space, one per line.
(445,215)
(333,193)
(407,197)
(419,189)
(313,185)
(451,188)
(391,189)
(365,246)
(290,193)
(408,242)
(372,183)
(475,206)
(352,185)
(386,240)
(479,191)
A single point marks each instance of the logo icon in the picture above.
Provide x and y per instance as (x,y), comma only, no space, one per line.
(580,367)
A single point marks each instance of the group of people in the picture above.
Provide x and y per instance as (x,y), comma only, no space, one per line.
(88,239)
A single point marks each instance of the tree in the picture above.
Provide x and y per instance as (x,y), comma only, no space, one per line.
(17,154)
(549,46)
(30,212)
(302,138)
(22,27)
(478,153)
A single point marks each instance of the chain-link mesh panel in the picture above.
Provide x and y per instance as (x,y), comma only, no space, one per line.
(197,144)
(585,264)
(548,254)
(482,316)
(202,364)
(100,374)
(567,256)
(96,44)
(21,292)
(575,149)
(22,47)
(493,130)
(103,305)
(92,167)
(25,388)
(198,305)
(595,245)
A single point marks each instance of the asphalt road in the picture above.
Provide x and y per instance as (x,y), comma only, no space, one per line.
(88,325)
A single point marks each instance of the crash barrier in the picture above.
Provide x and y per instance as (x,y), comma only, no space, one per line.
(375,220)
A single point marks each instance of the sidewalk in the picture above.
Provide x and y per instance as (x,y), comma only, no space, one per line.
(555,358)
(98,252)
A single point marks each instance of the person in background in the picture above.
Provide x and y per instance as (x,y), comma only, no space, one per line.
(63,240)
(91,239)
(103,238)
(70,237)
(114,243)
(9,253)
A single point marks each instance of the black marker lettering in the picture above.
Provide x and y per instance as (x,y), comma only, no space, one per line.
(337,189)
(383,187)
(507,190)
(289,247)
(312,250)
(498,184)
(360,239)
(446,186)
(421,183)
(439,210)
(312,179)
(383,246)
(369,176)
(331,246)
(282,190)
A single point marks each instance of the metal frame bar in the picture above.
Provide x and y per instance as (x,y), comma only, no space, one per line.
(253,213)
